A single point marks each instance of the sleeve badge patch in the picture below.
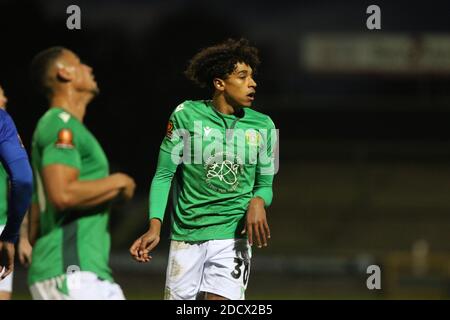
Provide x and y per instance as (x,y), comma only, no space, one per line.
(65,139)
(252,138)
(169,129)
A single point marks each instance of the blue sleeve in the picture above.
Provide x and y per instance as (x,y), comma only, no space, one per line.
(15,160)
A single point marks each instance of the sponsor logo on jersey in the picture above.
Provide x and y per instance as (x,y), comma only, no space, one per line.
(65,139)
(223,171)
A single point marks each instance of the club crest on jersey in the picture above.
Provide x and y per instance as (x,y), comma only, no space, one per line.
(65,139)
(252,138)
(169,130)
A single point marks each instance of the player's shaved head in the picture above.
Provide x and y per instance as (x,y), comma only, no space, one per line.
(41,66)
(58,69)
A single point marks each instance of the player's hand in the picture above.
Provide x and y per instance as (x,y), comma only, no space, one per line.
(146,243)
(256,225)
(7,252)
(25,251)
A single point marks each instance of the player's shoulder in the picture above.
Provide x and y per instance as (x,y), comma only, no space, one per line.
(52,122)
(188,110)
(263,118)
(188,107)
(5,118)
(3,114)
(7,125)
(55,118)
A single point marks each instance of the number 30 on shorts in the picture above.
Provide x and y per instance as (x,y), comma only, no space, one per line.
(237,270)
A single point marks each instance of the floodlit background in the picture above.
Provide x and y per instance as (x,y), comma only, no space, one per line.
(364,129)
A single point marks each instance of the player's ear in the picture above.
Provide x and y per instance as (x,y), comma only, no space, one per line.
(219,84)
(64,73)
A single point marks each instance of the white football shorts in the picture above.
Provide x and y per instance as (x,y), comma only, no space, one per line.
(81,285)
(221,267)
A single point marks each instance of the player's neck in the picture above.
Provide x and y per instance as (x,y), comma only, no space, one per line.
(73,102)
(221,105)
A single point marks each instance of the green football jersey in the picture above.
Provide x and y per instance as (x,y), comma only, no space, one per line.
(75,239)
(3,195)
(221,160)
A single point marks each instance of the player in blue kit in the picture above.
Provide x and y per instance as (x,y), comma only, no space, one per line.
(15,161)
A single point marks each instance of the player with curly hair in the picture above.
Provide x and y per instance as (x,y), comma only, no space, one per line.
(221,153)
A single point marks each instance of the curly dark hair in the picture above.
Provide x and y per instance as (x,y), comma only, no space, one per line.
(219,61)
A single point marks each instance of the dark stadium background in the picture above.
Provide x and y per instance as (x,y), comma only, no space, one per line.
(364,156)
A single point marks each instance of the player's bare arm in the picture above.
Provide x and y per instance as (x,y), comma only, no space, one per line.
(66,191)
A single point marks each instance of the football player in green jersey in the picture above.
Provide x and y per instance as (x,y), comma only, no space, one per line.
(24,246)
(222,155)
(74,189)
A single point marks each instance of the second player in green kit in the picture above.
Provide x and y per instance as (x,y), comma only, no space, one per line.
(65,241)
(73,187)
(24,252)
